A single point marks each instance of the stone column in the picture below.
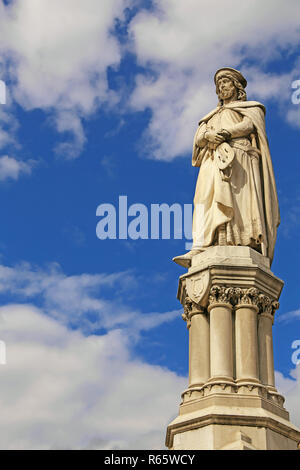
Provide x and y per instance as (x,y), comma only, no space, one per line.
(198,326)
(221,349)
(265,341)
(246,340)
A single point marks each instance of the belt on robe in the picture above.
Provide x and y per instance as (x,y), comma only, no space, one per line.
(245,148)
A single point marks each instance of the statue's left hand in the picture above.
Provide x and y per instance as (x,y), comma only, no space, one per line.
(224,133)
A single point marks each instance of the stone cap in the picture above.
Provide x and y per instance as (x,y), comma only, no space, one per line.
(228,266)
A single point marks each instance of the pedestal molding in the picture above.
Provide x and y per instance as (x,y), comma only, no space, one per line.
(230,420)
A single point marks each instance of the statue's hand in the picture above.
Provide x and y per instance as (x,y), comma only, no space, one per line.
(226,134)
(214,137)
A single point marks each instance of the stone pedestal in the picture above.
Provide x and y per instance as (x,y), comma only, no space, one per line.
(230,296)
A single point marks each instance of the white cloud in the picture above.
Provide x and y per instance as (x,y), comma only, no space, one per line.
(184,43)
(290,388)
(63,386)
(8,123)
(7,128)
(70,122)
(60,60)
(293,116)
(85,301)
(61,51)
(60,389)
(288,316)
(10,168)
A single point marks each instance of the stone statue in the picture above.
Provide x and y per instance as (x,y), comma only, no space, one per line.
(236,187)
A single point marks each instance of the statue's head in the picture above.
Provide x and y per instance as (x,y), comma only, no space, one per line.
(230,85)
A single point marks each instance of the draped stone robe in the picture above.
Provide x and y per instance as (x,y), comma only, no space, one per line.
(242,210)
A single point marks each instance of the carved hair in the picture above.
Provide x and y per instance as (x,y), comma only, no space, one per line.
(241,94)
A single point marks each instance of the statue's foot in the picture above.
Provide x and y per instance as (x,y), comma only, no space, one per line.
(186,259)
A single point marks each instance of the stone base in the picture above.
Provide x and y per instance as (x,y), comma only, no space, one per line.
(232,437)
(246,424)
(229,296)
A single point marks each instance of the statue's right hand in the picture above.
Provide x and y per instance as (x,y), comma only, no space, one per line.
(213,137)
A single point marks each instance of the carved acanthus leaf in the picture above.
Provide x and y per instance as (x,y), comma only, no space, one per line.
(243,296)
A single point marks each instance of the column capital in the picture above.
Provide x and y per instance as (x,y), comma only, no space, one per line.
(246,298)
(239,297)
(220,295)
(268,307)
(235,296)
(190,308)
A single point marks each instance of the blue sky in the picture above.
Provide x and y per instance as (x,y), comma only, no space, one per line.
(103,99)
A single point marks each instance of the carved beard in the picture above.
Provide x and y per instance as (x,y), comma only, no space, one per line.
(227,92)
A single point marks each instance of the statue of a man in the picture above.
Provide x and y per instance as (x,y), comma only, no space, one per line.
(236,187)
